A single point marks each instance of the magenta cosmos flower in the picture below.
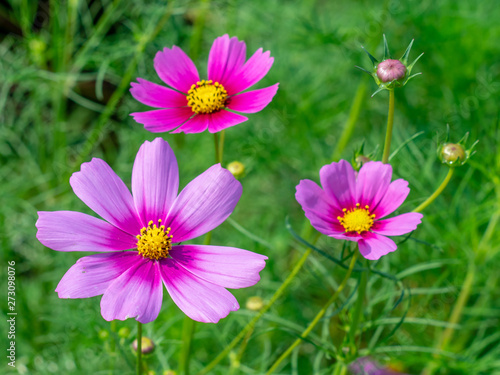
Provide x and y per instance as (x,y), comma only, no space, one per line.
(195,105)
(350,206)
(137,239)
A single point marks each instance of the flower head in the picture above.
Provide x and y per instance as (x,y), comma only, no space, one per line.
(350,206)
(391,73)
(196,104)
(139,243)
(455,154)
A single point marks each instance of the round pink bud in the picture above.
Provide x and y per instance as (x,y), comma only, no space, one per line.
(389,70)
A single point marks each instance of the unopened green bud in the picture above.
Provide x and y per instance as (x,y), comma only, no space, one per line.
(452,153)
(124,332)
(390,73)
(236,168)
(455,154)
(147,345)
(255,303)
(360,157)
(103,334)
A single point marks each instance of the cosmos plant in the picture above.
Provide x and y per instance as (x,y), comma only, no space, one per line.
(137,240)
(193,105)
(350,206)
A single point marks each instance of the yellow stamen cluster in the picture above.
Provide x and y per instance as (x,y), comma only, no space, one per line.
(154,241)
(207,97)
(356,220)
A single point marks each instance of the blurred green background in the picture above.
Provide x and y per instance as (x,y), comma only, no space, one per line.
(65,70)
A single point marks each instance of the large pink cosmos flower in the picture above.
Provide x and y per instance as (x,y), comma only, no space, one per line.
(201,104)
(149,221)
(350,206)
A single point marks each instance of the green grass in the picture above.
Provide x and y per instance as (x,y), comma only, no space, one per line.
(65,69)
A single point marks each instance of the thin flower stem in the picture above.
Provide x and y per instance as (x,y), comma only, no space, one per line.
(219,146)
(438,191)
(388,134)
(459,306)
(358,309)
(216,146)
(139,348)
(102,122)
(187,337)
(318,317)
(351,121)
(256,318)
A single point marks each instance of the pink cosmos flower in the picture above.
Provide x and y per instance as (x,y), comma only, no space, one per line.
(195,105)
(147,223)
(351,205)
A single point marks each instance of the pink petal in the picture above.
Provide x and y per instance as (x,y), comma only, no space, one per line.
(90,276)
(224,119)
(398,225)
(373,181)
(74,231)
(394,197)
(253,101)
(106,194)
(136,293)
(162,120)
(200,300)
(318,208)
(373,246)
(249,74)
(226,58)
(154,95)
(155,180)
(196,124)
(176,69)
(204,204)
(339,182)
(225,266)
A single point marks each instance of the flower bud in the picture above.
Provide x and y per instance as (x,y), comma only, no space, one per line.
(169,372)
(254,303)
(452,153)
(391,73)
(147,345)
(236,168)
(359,158)
(455,154)
(103,334)
(124,332)
(391,70)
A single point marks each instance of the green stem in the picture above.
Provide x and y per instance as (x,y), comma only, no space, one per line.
(256,318)
(456,313)
(318,316)
(438,191)
(459,306)
(388,134)
(139,348)
(102,121)
(187,337)
(358,309)
(219,146)
(351,120)
(199,25)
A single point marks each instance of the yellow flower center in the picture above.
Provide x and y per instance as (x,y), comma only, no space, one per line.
(356,220)
(207,97)
(154,241)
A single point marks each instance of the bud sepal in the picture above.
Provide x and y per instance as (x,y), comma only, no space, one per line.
(390,73)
